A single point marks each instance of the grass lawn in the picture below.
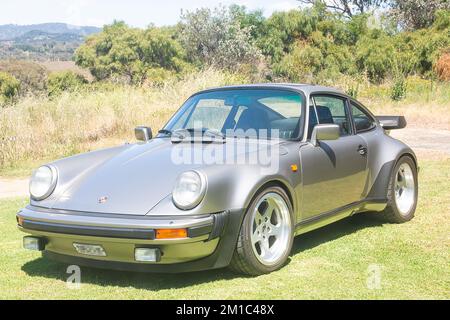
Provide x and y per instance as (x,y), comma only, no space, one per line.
(333,262)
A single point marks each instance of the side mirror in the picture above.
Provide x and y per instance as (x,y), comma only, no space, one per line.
(325,132)
(143,133)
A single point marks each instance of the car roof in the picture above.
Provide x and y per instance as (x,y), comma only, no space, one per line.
(305,88)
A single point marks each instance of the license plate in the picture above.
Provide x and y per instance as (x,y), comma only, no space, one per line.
(90,249)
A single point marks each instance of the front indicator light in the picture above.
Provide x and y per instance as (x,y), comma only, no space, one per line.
(171,233)
(147,255)
(34,243)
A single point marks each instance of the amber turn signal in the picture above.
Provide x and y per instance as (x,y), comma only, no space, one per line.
(19,221)
(294,167)
(171,233)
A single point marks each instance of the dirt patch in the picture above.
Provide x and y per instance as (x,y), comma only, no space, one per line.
(426,143)
(10,188)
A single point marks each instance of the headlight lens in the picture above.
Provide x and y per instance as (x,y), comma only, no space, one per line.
(43,182)
(189,190)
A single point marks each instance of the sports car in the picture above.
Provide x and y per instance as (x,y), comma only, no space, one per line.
(230,180)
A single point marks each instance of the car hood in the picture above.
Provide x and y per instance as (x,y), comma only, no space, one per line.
(133,180)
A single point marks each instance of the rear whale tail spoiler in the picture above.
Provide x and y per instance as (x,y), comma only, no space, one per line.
(392,122)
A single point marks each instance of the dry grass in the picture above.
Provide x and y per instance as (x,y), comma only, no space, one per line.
(426,105)
(443,67)
(58,66)
(39,129)
(42,128)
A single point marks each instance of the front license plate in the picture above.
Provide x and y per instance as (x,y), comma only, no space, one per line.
(90,249)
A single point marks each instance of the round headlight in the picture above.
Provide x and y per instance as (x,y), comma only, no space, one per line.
(189,190)
(43,182)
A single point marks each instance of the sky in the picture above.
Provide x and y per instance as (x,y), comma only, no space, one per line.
(137,13)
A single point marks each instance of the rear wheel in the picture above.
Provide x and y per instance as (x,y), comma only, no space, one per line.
(402,192)
(266,235)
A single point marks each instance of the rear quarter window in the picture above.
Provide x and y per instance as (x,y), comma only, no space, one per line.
(363,121)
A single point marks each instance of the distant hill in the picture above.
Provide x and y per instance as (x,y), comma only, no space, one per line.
(12,31)
(47,41)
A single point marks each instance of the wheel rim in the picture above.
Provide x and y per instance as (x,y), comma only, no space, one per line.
(271,228)
(404,189)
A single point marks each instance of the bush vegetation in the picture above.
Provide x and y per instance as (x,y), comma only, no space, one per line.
(59,82)
(314,44)
(140,76)
(32,76)
(9,88)
(308,45)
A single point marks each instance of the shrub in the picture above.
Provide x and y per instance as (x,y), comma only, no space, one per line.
(32,76)
(9,88)
(353,91)
(64,81)
(374,55)
(443,67)
(398,90)
(216,38)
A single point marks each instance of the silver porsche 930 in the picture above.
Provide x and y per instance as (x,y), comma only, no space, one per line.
(230,180)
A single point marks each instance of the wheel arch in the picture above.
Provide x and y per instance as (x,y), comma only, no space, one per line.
(273,183)
(378,191)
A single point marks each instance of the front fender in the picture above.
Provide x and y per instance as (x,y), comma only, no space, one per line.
(231,188)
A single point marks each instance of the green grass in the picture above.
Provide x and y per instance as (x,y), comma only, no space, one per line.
(328,263)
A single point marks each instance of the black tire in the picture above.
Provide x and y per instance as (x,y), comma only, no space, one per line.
(244,259)
(392,213)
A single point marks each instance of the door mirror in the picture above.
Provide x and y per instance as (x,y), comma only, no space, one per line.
(325,132)
(143,133)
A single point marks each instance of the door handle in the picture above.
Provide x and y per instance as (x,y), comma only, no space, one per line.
(362,150)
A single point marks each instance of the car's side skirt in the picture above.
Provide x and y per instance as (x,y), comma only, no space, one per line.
(326,218)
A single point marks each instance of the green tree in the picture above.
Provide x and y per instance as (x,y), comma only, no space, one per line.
(9,88)
(126,54)
(216,38)
(417,14)
(64,81)
(375,55)
(254,21)
(348,8)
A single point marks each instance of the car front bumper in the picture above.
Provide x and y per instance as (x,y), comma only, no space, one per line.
(209,244)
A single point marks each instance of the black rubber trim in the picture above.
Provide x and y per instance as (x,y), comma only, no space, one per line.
(220,258)
(380,185)
(392,122)
(199,231)
(128,233)
(148,234)
(220,221)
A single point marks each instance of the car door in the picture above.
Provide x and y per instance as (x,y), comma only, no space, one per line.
(334,173)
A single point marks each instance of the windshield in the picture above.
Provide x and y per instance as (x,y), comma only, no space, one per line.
(246,112)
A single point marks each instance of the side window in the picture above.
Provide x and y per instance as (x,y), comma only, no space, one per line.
(330,109)
(363,121)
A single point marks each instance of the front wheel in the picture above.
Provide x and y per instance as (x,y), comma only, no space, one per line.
(402,192)
(266,235)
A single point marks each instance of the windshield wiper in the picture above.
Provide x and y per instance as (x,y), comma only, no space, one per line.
(205,135)
(165,132)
